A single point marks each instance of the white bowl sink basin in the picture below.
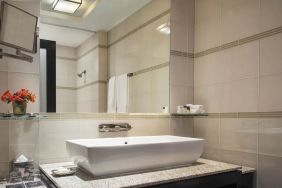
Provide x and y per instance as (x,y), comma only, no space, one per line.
(117,156)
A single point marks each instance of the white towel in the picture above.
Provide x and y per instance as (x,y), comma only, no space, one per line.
(112,103)
(122,93)
(196,109)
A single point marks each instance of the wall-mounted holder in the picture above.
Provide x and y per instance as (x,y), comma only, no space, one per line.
(19,55)
(114,127)
(22,28)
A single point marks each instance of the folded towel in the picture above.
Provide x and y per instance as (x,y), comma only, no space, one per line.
(122,93)
(196,108)
(112,103)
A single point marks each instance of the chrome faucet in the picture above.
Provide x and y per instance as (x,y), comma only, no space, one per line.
(112,127)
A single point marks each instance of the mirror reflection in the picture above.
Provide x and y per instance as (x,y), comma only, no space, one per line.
(110,57)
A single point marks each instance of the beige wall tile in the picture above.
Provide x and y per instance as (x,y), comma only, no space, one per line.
(182,127)
(4,141)
(239,62)
(239,19)
(239,134)
(52,137)
(65,51)
(66,73)
(208,128)
(207,69)
(240,96)
(23,132)
(4,170)
(4,61)
(88,45)
(103,64)
(182,25)
(270,136)
(206,9)
(239,158)
(147,127)
(270,55)
(181,71)
(210,96)
(16,65)
(270,14)
(207,24)
(270,93)
(269,171)
(212,154)
(3,87)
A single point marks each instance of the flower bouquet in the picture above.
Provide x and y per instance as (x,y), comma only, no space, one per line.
(19,100)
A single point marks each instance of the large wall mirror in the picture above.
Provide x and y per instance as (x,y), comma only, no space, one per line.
(111,56)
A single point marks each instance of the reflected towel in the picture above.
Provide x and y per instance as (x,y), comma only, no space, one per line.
(112,103)
(122,93)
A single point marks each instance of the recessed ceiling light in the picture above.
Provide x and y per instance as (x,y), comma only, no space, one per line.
(67,6)
(164,28)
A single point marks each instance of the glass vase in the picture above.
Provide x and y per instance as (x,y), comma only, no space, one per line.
(19,109)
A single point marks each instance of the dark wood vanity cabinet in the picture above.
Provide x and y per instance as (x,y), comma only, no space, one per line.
(225,180)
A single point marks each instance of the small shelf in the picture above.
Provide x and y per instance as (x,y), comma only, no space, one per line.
(28,116)
(188,114)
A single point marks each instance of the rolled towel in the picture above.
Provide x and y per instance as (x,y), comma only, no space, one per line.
(196,108)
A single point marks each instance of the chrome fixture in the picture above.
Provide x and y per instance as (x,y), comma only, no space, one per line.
(114,127)
(80,74)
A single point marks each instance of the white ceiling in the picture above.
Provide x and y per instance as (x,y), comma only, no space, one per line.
(106,14)
(63,35)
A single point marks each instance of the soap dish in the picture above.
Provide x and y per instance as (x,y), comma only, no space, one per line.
(63,172)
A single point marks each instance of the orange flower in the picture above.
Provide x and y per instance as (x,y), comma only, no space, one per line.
(21,96)
(19,99)
(6,97)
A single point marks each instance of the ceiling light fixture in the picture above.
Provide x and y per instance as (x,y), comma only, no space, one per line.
(164,28)
(67,6)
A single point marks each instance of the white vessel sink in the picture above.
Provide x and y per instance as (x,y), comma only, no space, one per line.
(116,156)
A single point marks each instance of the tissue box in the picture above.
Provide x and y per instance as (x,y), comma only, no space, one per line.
(21,171)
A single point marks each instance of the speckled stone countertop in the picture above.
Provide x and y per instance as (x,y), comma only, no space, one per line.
(202,167)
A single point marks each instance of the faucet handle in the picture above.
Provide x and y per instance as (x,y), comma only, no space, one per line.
(114,127)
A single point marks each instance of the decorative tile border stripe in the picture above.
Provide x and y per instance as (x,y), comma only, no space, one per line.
(110,116)
(275,114)
(181,54)
(66,58)
(140,27)
(114,116)
(240,42)
(92,83)
(151,69)
(67,88)
(80,87)
(92,49)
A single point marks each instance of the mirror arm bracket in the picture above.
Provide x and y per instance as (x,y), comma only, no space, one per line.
(19,55)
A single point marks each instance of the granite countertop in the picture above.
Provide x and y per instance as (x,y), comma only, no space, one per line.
(202,167)
(36,183)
